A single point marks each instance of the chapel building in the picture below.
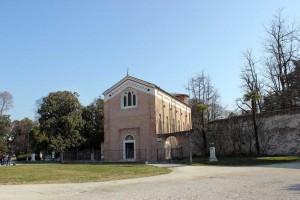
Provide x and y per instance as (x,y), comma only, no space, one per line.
(142,122)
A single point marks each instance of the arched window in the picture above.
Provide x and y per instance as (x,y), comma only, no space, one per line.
(124,101)
(129,137)
(173,125)
(133,99)
(159,124)
(129,99)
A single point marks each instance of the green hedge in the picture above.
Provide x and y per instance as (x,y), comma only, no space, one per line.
(22,157)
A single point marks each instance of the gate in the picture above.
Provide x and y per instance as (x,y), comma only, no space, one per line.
(173,153)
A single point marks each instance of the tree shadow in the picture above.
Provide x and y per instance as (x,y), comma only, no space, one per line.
(289,165)
(295,187)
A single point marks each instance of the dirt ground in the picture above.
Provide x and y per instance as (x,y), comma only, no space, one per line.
(280,181)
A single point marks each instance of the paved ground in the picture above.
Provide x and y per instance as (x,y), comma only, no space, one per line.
(185,182)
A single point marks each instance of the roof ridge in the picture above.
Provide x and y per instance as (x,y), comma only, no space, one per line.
(128,77)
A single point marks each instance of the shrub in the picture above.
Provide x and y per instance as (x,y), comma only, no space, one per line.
(22,157)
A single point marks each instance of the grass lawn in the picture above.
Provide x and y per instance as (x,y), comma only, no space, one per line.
(244,161)
(61,173)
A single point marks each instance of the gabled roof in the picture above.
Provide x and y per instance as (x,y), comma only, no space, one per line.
(113,90)
(145,83)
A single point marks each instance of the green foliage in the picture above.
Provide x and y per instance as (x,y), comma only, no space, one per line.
(60,120)
(39,140)
(5,125)
(20,133)
(23,157)
(202,107)
(93,116)
(3,145)
(252,95)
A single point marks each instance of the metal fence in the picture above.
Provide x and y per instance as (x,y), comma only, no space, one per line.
(136,155)
(82,156)
(173,153)
(142,155)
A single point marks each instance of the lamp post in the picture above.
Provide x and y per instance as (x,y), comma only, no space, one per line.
(10,146)
(189,134)
(27,147)
(191,150)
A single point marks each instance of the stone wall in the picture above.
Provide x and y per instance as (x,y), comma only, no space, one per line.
(278,134)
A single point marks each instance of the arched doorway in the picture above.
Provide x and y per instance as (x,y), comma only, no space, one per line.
(172,148)
(129,148)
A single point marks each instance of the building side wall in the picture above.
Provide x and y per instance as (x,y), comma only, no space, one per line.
(171,114)
(156,112)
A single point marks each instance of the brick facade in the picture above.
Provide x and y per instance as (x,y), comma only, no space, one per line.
(135,114)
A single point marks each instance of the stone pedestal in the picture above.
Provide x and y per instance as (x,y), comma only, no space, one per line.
(212,157)
(33,157)
(92,157)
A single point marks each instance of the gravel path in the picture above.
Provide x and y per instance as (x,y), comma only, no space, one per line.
(184,182)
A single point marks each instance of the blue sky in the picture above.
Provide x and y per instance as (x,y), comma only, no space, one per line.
(87,46)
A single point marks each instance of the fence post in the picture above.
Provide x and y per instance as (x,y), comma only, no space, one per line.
(147,157)
(62,157)
(77,159)
(93,156)
(191,150)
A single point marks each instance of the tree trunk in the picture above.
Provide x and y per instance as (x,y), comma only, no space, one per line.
(204,135)
(255,126)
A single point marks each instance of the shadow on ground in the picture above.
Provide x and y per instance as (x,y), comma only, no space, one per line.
(290,165)
(295,187)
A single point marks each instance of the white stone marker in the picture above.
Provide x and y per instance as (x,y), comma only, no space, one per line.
(212,157)
(33,157)
(92,157)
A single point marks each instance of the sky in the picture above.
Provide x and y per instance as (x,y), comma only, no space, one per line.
(87,46)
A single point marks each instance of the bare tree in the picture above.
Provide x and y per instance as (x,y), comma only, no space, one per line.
(6,101)
(252,93)
(249,136)
(282,48)
(235,129)
(250,81)
(205,106)
(265,137)
(219,136)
